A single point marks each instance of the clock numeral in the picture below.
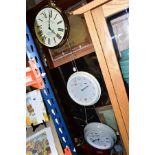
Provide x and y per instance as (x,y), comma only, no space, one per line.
(40,32)
(60,29)
(39,26)
(50,13)
(58,36)
(49,41)
(59,22)
(40,20)
(44,38)
(54,39)
(55,16)
(44,14)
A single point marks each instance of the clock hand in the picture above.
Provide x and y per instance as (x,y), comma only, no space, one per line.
(49,23)
(95,140)
(84,88)
(53,31)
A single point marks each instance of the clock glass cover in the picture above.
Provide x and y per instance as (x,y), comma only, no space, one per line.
(83,88)
(50,27)
(99,135)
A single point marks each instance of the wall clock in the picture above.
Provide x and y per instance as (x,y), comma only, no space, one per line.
(83,88)
(99,135)
(51,26)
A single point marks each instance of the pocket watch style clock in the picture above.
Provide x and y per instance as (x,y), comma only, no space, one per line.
(83,88)
(99,135)
(51,26)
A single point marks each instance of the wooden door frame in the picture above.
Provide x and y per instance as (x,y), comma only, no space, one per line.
(99,32)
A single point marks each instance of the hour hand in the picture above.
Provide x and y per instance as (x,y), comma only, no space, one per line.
(84,88)
(95,140)
(53,32)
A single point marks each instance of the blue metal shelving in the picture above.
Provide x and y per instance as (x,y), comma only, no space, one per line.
(48,96)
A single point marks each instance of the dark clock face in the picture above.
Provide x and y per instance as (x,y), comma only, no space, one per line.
(50,27)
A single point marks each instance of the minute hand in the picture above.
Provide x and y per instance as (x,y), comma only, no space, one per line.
(49,27)
(84,88)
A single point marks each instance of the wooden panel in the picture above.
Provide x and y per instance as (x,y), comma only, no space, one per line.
(76,40)
(112,63)
(89,6)
(115,6)
(69,57)
(62,4)
(107,78)
(79,43)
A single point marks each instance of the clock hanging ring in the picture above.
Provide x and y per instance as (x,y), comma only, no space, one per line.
(51,26)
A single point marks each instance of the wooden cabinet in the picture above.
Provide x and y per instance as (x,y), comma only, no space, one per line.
(96,14)
(79,44)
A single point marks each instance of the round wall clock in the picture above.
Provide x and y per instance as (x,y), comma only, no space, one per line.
(83,88)
(99,135)
(51,27)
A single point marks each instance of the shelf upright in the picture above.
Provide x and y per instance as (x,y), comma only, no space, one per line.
(48,96)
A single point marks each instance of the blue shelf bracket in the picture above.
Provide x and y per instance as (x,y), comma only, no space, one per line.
(48,96)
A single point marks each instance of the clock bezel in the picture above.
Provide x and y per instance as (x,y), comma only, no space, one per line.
(93,79)
(103,130)
(66,22)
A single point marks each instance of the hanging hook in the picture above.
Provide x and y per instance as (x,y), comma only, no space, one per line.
(51,2)
(73,57)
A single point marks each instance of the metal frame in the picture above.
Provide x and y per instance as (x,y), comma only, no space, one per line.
(48,96)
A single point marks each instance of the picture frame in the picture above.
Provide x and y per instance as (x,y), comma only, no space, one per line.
(35,109)
(41,143)
(106,116)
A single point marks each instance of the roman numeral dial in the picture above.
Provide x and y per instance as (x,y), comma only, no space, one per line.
(50,27)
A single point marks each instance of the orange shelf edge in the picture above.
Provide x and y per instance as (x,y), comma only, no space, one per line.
(67,151)
(33,76)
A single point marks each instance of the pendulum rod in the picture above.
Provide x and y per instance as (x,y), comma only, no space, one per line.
(85,115)
(73,58)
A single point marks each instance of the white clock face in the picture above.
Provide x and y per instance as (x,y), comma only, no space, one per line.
(49,27)
(99,141)
(83,88)
(99,135)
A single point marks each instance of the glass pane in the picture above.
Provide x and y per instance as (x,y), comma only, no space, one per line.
(77,39)
(118,26)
